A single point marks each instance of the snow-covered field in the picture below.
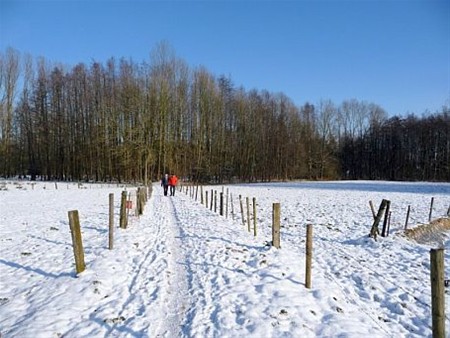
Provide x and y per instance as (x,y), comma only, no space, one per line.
(182,270)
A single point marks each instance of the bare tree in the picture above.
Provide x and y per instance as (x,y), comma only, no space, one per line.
(9,74)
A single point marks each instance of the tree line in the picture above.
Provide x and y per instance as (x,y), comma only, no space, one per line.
(127,121)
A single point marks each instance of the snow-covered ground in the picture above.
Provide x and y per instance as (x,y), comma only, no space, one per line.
(182,270)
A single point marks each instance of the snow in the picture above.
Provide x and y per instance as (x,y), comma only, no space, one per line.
(182,270)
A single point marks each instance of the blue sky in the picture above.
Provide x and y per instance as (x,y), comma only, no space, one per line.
(393,53)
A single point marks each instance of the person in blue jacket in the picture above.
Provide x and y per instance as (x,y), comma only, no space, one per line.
(165,183)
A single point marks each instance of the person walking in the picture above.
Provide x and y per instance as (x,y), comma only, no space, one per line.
(173,179)
(165,183)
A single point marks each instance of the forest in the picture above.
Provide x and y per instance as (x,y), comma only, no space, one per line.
(128,121)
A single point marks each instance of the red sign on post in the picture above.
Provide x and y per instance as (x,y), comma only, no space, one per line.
(129,204)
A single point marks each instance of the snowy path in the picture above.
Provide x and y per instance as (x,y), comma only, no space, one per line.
(176,299)
(156,297)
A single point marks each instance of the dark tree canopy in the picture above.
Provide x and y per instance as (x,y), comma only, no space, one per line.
(128,121)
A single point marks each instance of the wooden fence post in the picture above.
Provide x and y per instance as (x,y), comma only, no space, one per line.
(389,223)
(206,198)
(111,221)
(232,206)
(123,210)
(276,225)
(226,205)
(254,216)
(215,200)
(374,231)
(201,195)
(384,233)
(437,292)
(129,206)
(140,201)
(431,210)
(373,210)
(75,231)
(212,200)
(309,249)
(221,204)
(247,200)
(407,217)
(242,210)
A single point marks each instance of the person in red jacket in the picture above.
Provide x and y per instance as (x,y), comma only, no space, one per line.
(173,179)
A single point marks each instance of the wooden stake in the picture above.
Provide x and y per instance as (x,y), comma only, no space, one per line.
(437,292)
(386,219)
(215,200)
(276,225)
(309,249)
(129,209)
(431,210)
(221,204)
(226,205)
(407,217)
(254,216)
(138,202)
(75,231)
(123,210)
(242,210)
(232,206)
(248,213)
(374,231)
(389,223)
(212,200)
(373,210)
(111,221)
